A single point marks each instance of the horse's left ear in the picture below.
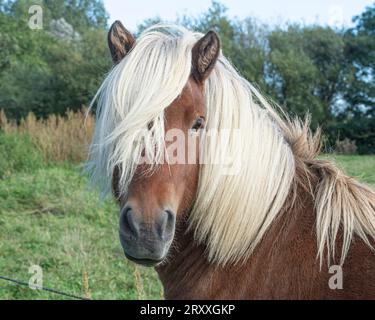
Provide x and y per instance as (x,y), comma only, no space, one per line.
(120,41)
(204,55)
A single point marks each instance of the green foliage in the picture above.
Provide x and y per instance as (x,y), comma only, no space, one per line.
(292,73)
(41,70)
(306,70)
(358,128)
(360,49)
(215,19)
(18,153)
(81,14)
(250,52)
(243,42)
(326,72)
(356,118)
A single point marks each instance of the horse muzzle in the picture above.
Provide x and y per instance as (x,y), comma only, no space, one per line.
(144,242)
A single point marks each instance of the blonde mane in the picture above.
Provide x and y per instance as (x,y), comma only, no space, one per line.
(231,212)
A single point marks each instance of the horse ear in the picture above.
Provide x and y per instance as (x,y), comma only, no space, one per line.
(120,41)
(204,55)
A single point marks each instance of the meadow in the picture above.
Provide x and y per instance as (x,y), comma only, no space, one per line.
(49,217)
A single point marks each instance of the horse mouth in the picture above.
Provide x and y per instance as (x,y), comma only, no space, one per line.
(144,262)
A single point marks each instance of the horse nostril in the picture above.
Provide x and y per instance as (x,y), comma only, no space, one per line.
(127,222)
(165,226)
(171,220)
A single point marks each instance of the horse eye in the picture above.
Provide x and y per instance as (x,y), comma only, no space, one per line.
(198,124)
(150,125)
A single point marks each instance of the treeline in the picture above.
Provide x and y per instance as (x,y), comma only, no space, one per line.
(325,71)
(56,68)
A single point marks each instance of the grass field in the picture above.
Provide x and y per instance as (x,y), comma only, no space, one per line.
(361,167)
(49,218)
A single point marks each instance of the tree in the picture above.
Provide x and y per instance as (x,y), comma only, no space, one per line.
(356,120)
(81,14)
(217,20)
(54,69)
(305,70)
(291,73)
(326,72)
(250,51)
(326,49)
(243,42)
(360,53)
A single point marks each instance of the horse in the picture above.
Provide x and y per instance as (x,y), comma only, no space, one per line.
(275,222)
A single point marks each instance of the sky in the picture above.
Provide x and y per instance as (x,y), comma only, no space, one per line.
(324,12)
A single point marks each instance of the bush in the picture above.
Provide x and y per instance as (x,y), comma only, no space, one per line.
(346,146)
(359,129)
(18,153)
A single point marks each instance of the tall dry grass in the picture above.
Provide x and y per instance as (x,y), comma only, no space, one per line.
(138,284)
(59,138)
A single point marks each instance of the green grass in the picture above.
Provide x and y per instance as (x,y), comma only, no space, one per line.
(49,218)
(361,167)
(18,153)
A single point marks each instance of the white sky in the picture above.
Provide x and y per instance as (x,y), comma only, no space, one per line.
(333,12)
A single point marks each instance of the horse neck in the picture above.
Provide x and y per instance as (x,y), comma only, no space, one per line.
(186,265)
(187,274)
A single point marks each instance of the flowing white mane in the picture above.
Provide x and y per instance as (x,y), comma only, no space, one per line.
(232,212)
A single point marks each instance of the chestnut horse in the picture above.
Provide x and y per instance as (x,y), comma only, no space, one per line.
(272,222)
